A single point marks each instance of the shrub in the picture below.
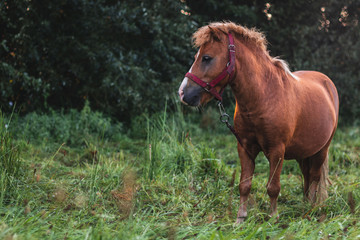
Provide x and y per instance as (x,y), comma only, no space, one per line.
(72,128)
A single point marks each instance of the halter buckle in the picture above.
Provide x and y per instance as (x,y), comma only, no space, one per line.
(207,87)
(231,47)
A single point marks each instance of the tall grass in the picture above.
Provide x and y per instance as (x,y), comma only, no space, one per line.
(185,187)
(9,162)
(171,150)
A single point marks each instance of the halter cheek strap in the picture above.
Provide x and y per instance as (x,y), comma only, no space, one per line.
(228,71)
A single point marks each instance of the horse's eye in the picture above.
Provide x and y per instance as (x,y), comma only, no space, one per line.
(206,58)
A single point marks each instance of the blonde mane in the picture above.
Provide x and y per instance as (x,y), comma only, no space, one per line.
(213,31)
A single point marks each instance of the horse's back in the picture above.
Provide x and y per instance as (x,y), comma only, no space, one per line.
(313,77)
(317,104)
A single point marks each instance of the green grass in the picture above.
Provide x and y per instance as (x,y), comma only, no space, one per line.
(104,186)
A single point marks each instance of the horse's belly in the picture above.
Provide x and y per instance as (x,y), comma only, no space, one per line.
(306,147)
(311,136)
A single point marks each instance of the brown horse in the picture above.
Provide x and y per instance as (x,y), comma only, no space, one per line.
(286,115)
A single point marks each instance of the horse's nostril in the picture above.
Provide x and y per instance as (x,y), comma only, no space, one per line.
(181,95)
(191,99)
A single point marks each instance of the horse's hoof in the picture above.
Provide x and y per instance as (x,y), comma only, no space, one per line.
(239,221)
(275,215)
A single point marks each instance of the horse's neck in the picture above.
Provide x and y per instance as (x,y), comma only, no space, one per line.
(257,80)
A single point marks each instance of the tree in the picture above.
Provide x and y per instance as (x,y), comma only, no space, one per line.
(122,56)
(128,57)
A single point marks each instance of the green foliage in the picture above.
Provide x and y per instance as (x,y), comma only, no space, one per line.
(10,162)
(170,149)
(122,56)
(188,190)
(127,58)
(71,128)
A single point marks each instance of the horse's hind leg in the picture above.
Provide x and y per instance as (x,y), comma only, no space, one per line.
(305,165)
(324,180)
(318,176)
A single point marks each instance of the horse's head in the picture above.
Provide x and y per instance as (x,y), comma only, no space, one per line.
(211,70)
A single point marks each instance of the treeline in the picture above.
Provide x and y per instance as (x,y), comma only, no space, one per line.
(127,57)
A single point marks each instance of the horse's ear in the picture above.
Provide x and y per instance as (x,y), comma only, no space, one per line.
(214,34)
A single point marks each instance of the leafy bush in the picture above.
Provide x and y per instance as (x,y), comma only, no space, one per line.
(72,128)
(122,56)
(128,57)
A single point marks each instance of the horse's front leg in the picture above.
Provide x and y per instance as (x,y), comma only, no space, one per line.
(247,170)
(273,186)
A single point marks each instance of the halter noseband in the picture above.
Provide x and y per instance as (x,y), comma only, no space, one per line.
(228,70)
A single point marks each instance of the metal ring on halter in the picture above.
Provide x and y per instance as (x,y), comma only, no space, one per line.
(207,88)
(224,118)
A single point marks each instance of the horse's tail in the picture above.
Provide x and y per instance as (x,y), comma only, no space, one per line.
(324,181)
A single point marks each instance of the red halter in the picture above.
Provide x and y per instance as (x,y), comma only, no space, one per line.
(228,70)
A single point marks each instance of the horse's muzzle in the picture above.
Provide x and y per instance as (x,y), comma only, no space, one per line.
(191,95)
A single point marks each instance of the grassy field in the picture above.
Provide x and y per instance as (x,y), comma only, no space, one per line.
(80,176)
